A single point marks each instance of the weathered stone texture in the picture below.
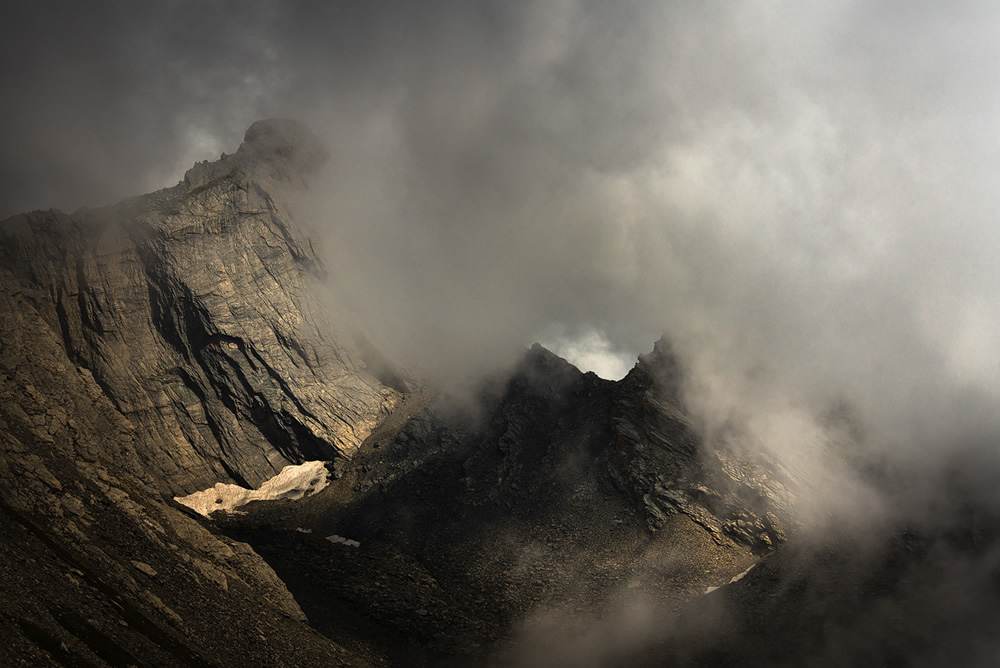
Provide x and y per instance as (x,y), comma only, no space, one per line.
(195,311)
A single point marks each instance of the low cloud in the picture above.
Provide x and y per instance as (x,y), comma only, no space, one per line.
(801,196)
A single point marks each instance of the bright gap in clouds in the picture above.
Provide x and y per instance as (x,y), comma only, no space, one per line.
(591,351)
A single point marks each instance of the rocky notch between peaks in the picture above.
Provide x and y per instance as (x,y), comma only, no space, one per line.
(176,340)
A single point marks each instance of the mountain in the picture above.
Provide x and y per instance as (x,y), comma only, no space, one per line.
(178,340)
(190,311)
(184,342)
(151,349)
(561,493)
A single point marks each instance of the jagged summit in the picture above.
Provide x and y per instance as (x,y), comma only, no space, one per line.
(278,149)
(151,348)
(541,358)
(663,366)
(284,142)
(279,136)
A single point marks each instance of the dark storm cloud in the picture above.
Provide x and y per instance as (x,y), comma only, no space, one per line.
(801,195)
(104,100)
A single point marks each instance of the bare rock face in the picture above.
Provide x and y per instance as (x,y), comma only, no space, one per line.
(192,310)
(284,148)
(178,339)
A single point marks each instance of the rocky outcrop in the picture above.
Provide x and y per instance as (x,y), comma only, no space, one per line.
(193,311)
(660,462)
(176,340)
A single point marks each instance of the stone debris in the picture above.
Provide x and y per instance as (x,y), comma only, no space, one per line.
(145,568)
(733,580)
(343,541)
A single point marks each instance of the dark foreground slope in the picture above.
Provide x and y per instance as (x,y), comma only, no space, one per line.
(148,349)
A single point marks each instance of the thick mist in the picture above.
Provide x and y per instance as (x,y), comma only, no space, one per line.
(801,197)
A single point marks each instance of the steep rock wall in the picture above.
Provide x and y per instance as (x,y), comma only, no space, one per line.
(194,310)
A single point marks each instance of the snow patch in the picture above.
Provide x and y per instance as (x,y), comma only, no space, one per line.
(294,482)
(736,578)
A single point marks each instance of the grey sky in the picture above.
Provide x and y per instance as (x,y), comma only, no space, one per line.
(802,195)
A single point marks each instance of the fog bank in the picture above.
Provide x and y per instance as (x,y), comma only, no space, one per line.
(800,197)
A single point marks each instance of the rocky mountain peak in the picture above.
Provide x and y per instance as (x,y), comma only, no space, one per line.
(282,139)
(277,149)
(541,365)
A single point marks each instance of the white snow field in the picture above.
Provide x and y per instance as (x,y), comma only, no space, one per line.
(294,482)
